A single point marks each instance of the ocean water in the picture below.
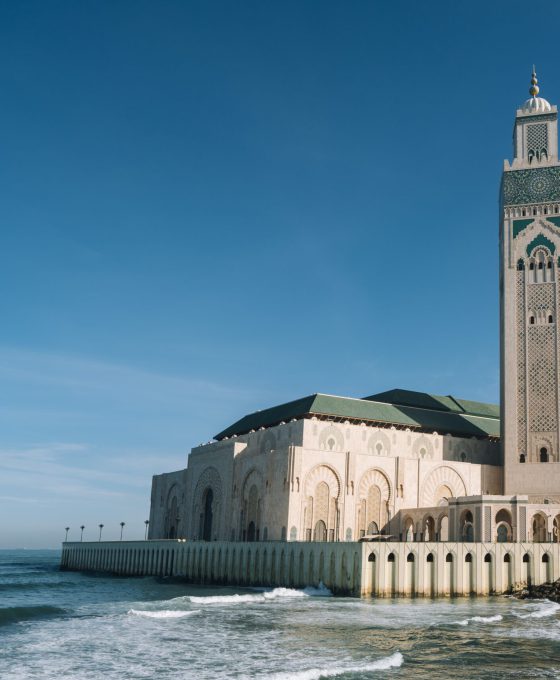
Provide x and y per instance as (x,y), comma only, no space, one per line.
(69,625)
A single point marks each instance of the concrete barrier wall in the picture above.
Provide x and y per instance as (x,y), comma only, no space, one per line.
(274,563)
(378,569)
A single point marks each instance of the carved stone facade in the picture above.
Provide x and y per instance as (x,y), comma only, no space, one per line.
(318,480)
(529,296)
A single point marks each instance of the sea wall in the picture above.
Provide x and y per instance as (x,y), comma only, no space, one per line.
(443,569)
(355,569)
(272,563)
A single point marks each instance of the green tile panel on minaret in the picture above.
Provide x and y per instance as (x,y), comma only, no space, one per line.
(537,185)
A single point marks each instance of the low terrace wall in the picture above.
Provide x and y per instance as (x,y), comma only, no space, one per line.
(378,569)
(442,569)
(273,563)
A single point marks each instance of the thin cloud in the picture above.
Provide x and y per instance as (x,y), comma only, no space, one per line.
(73,372)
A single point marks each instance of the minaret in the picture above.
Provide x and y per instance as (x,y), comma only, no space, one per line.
(529,303)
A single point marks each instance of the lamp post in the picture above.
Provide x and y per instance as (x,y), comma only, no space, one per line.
(122,527)
(146,522)
(100,530)
(67,529)
(82,534)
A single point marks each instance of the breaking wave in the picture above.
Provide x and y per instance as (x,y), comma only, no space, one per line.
(163,614)
(320,591)
(546,608)
(394,661)
(265,596)
(480,619)
(17,614)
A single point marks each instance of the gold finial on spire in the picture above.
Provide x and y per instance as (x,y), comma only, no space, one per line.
(534,89)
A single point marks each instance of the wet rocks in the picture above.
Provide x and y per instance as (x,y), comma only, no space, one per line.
(548,591)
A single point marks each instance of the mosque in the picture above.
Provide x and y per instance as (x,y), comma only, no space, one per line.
(409,466)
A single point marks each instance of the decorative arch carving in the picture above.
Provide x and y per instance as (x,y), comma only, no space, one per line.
(323,473)
(331,439)
(539,232)
(173,491)
(268,442)
(372,506)
(423,447)
(253,477)
(442,476)
(251,514)
(463,450)
(379,444)
(539,442)
(320,512)
(209,479)
(172,518)
(378,478)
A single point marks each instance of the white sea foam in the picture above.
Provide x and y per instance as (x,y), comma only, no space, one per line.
(265,596)
(163,614)
(394,661)
(480,619)
(225,599)
(320,591)
(546,608)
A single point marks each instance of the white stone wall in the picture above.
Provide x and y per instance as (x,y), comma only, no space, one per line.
(279,483)
(379,569)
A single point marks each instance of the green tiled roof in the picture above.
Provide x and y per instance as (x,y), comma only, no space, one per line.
(417,410)
(437,402)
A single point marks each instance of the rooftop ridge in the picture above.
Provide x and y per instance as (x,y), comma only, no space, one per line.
(457,418)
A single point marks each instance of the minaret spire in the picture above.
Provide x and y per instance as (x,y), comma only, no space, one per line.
(534,89)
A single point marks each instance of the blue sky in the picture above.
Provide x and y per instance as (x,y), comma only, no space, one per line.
(212,207)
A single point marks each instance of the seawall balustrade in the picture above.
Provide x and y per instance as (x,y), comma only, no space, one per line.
(352,569)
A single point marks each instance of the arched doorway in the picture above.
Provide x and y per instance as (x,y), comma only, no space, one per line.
(539,529)
(556,529)
(467,528)
(251,531)
(172,517)
(408,529)
(207,515)
(443,533)
(429,528)
(320,533)
(504,533)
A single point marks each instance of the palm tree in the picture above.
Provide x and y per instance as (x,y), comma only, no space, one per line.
(122,527)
